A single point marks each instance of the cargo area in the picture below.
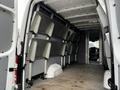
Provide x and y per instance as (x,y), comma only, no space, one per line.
(67,46)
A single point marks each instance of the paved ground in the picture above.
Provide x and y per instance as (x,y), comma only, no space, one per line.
(75,77)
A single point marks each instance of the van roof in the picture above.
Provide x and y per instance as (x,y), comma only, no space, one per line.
(81,13)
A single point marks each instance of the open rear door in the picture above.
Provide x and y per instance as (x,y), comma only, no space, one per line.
(8,34)
(113,10)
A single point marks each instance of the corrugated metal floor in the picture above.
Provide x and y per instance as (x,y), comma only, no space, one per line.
(75,77)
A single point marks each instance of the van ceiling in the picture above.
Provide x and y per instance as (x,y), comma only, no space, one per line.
(81,13)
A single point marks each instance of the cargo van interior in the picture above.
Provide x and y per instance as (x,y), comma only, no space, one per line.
(59,52)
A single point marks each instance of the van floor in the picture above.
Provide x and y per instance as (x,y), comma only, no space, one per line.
(75,77)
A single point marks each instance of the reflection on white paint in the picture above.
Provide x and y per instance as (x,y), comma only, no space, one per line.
(21,10)
(102,3)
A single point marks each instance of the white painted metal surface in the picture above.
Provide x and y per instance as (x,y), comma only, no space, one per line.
(75,10)
(102,16)
(102,3)
(6,8)
(9,9)
(114,36)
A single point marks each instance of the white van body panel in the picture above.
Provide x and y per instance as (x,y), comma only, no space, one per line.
(8,57)
(114,36)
